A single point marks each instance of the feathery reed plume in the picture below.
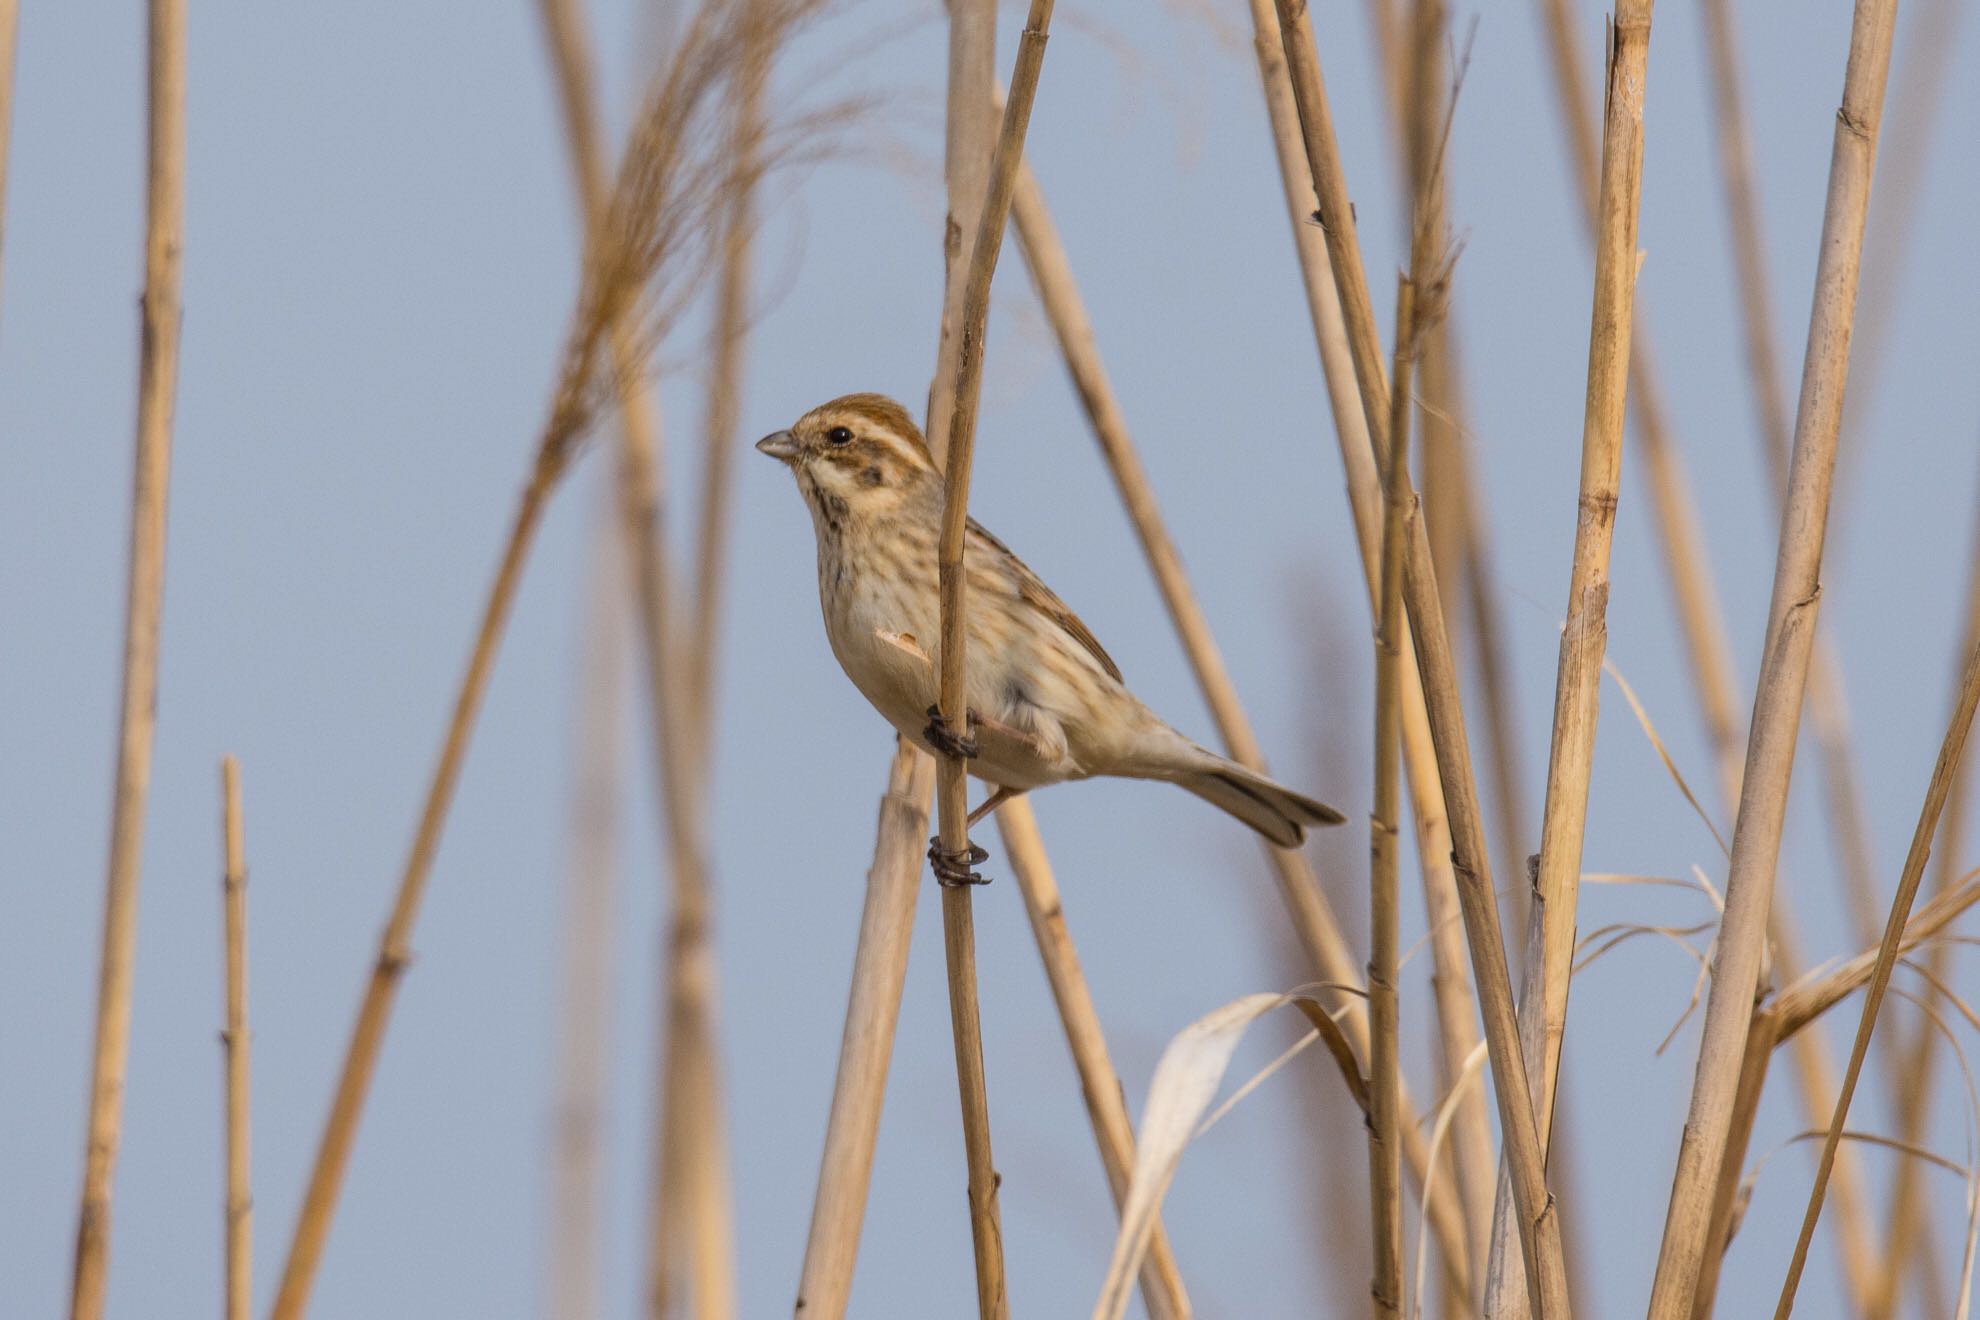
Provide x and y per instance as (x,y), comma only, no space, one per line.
(1944,774)
(1538,1214)
(1099,1085)
(158,372)
(1585,636)
(1784,668)
(234,1046)
(591,879)
(958,922)
(643,260)
(1456,1008)
(1910,1230)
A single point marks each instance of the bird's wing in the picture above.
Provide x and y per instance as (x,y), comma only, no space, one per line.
(1040,597)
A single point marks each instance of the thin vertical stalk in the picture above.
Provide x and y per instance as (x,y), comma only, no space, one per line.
(1784,668)
(690,1213)
(1703,631)
(1585,636)
(1908,1225)
(1830,726)
(1099,1085)
(732,293)
(234,1047)
(1943,775)
(1051,272)
(1539,1217)
(591,879)
(838,1208)
(158,372)
(958,921)
(395,945)
(1384,1064)
(1471,1141)
(873,1010)
(10,18)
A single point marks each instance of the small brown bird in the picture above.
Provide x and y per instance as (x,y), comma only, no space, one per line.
(1046,701)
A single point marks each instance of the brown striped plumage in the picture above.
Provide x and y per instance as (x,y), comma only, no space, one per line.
(1049,702)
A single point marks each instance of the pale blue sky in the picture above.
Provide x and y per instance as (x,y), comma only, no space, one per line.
(379,261)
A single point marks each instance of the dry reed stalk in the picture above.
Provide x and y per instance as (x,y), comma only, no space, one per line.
(645,252)
(1702,628)
(723,406)
(1384,1062)
(234,1046)
(1313,924)
(158,370)
(873,1008)
(1812,996)
(1784,669)
(591,876)
(1585,635)
(1456,1009)
(1940,788)
(1099,1085)
(1539,1219)
(958,921)
(1830,725)
(1907,1236)
(690,1200)
(887,918)
(10,17)
(1930,42)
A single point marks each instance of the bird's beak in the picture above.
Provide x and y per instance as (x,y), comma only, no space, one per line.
(780,445)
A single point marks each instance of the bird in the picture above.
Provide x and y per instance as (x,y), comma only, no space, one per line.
(1045,702)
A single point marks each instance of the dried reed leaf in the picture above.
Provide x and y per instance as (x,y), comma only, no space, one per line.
(1473,1065)
(1185,1082)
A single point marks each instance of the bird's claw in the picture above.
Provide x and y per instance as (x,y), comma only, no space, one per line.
(952,865)
(945,739)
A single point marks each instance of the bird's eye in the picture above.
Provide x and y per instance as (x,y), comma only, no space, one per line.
(838,435)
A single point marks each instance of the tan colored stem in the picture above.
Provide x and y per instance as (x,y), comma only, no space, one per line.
(958,922)
(691,1214)
(590,882)
(395,945)
(10,19)
(1943,775)
(1099,1085)
(1461,1237)
(1784,668)
(1585,635)
(239,1291)
(1539,1217)
(1384,1063)
(1702,629)
(873,1008)
(158,373)
(1904,1240)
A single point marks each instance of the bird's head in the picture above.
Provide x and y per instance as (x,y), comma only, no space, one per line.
(860,455)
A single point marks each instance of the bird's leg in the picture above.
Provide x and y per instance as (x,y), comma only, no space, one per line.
(990,804)
(952,865)
(945,739)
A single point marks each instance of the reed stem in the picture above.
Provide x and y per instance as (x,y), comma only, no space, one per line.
(239,1290)
(158,372)
(1784,667)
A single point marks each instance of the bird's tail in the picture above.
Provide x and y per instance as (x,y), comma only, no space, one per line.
(1272,809)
